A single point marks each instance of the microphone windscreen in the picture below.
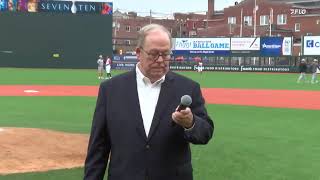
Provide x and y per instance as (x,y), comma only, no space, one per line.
(186,100)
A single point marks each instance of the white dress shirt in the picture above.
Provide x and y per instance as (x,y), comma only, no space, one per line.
(148,97)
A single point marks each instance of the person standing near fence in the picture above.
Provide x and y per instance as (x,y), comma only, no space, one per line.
(303,70)
(108,68)
(200,67)
(100,67)
(314,69)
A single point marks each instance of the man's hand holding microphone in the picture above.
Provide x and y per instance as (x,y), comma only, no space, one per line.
(183,115)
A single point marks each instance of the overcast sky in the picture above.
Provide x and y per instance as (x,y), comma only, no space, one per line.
(142,7)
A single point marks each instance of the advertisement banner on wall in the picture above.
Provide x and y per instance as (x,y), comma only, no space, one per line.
(276,46)
(74,7)
(3,5)
(311,45)
(251,44)
(245,46)
(284,69)
(201,46)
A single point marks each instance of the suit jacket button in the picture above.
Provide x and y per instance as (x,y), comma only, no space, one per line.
(147,146)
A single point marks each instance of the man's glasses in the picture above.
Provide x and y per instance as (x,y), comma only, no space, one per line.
(154,56)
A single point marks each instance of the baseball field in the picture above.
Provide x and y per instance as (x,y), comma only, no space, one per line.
(266,125)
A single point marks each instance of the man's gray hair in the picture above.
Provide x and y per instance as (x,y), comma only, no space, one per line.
(146,29)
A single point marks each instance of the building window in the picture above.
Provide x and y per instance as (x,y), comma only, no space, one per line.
(138,28)
(264,20)
(297,27)
(282,19)
(232,20)
(192,33)
(193,25)
(127,42)
(128,28)
(318,21)
(116,26)
(247,20)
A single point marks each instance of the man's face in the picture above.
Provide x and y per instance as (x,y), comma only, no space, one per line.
(154,56)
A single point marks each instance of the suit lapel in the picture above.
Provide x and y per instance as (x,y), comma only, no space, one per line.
(164,97)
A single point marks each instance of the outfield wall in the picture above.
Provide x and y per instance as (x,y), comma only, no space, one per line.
(128,62)
(54,40)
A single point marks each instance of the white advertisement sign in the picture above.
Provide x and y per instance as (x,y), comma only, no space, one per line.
(287,46)
(311,45)
(252,44)
(208,44)
(298,11)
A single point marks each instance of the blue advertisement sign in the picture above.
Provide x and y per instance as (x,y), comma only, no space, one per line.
(201,52)
(3,5)
(276,46)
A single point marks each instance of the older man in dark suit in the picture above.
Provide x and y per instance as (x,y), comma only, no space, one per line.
(137,121)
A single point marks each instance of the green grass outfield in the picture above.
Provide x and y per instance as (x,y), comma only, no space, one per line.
(11,76)
(250,143)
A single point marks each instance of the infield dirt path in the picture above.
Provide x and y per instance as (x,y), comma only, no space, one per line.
(248,97)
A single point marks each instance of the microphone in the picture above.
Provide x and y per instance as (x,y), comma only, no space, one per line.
(184,102)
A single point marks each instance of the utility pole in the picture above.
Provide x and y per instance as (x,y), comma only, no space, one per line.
(241,14)
(255,19)
(150,19)
(255,26)
(270,26)
(180,29)
(207,24)
(270,21)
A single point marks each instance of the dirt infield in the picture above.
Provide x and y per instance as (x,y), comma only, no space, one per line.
(33,150)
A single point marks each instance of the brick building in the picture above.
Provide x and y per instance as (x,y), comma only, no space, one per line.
(126,25)
(294,18)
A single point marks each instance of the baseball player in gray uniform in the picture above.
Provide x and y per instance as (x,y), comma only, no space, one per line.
(100,67)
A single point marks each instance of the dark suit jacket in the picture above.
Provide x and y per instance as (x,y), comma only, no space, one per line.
(118,129)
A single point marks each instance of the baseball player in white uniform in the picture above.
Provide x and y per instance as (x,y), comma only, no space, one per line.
(200,67)
(108,67)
